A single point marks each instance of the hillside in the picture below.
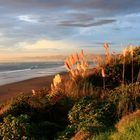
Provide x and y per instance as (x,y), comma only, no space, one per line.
(100,103)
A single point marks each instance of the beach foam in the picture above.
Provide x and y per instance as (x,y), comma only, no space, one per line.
(15,72)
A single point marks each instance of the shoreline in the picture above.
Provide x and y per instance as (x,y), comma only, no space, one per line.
(8,91)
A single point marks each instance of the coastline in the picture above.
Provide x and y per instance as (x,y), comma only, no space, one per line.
(8,91)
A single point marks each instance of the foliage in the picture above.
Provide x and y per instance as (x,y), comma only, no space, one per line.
(91,115)
(15,128)
(125,98)
(46,117)
(89,107)
(102,136)
(16,106)
(137,54)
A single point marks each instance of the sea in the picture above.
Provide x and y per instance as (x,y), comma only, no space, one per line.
(19,71)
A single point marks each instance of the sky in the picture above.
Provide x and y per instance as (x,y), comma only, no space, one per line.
(58,27)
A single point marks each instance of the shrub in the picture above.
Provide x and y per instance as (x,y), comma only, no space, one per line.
(90,107)
(46,117)
(15,128)
(126,98)
(16,106)
(90,115)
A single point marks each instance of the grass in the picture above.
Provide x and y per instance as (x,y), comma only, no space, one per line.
(130,131)
(102,136)
(92,104)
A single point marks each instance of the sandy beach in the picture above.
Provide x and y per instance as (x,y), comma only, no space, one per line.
(10,90)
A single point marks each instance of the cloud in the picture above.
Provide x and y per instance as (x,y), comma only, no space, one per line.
(86,24)
(31,23)
(27,18)
(115,5)
(48,44)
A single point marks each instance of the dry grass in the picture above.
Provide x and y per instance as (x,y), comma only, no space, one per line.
(81,135)
(76,65)
(126,120)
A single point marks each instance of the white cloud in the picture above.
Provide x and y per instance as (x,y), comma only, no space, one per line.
(27,18)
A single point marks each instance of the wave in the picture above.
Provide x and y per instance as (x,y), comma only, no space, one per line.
(13,71)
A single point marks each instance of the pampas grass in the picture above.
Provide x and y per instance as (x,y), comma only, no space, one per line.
(123,74)
(103,75)
(131,52)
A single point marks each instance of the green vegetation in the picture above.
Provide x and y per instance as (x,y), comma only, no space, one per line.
(93,104)
(15,127)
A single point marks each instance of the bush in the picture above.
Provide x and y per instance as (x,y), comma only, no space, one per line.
(46,118)
(16,106)
(91,115)
(15,128)
(90,107)
(126,99)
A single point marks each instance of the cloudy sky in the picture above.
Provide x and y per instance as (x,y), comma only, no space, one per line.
(49,27)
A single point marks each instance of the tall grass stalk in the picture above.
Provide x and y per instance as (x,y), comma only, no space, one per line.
(103,75)
(123,74)
(123,71)
(132,61)
(132,70)
(131,51)
(114,55)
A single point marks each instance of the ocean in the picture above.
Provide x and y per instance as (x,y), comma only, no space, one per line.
(15,72)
